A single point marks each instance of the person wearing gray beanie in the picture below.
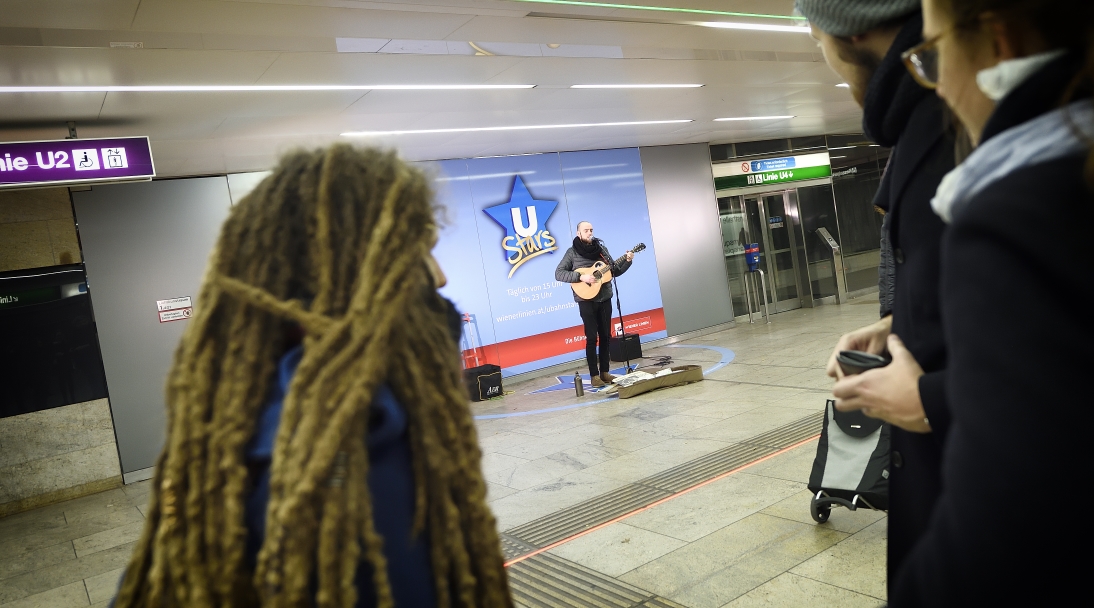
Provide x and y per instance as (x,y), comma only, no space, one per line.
(845,18)
(862,41)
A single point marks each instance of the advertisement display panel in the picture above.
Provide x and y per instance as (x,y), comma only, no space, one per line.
(508,223)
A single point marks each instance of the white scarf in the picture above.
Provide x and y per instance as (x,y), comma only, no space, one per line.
(1048,137)
(995,82)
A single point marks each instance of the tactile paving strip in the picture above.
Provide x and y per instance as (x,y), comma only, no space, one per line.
(584,515)
(546,581)
(788,435)
(567,522)
(682,477)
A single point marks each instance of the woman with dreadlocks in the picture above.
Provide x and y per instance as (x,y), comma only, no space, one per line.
(320,449)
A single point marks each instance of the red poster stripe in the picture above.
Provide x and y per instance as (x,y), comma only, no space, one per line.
(558,342)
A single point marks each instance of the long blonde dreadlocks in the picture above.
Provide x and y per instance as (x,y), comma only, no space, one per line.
(335,241)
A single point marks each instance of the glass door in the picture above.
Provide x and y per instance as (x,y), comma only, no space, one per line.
(767,219)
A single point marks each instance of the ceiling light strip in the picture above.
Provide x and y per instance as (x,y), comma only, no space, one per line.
(751,118)
(636,86)
(515,128)
(662,9)
(258,88)
(761,27)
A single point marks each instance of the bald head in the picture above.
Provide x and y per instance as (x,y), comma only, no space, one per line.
(585,231)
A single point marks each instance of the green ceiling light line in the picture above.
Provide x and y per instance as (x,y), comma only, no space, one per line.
(663,9)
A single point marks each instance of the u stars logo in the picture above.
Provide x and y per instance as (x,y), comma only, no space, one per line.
(520,217)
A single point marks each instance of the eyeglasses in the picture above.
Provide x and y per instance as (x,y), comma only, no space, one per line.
(922,61)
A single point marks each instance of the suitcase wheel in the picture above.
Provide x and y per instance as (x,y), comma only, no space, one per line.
(819,512)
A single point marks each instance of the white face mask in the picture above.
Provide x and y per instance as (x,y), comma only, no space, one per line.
(997,81)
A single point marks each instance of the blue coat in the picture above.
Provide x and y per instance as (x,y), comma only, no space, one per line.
(390,482)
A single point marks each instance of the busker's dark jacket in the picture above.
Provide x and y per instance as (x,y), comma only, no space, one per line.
(1015,300)
(901,114)
(565,270)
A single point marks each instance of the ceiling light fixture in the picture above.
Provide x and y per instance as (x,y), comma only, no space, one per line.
(661,9)
(636,86)
(248,88)
(763,27)
(515,128)
(843,85)
(843,148)
(751,118)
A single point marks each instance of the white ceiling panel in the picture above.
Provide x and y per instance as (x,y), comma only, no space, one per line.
(245,42)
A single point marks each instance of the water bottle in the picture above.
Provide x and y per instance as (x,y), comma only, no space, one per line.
(578,385)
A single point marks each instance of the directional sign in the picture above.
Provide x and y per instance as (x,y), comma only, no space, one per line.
(742,174)
(75,161)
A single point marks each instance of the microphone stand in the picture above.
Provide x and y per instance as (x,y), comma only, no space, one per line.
(619,307)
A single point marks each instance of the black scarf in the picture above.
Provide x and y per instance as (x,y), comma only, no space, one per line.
(893,94)
(589,251)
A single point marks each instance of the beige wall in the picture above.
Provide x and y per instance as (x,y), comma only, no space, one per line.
(37,229)
(63,452)
(57,454)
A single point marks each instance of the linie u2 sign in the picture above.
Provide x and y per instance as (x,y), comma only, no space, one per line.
(75,161)
(175,309)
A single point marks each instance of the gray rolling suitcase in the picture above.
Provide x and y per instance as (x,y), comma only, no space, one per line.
(852,464)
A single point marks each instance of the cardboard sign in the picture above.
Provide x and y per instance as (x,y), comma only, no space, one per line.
(175,309)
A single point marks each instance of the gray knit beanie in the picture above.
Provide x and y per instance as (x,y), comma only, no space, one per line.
(853,17)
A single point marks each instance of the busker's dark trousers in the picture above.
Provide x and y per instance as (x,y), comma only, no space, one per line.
(597,317)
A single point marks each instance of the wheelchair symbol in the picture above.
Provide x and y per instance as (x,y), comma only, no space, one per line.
(86,160)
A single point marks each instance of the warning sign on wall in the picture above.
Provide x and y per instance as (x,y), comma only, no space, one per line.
(175,309)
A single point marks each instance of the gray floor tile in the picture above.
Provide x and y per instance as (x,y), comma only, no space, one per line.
(617,549)
(655,458)
(713,507)
(59,575)
(35,559)
(724,565)
(749,424)
(109,538)
(526,505)
(103,587)
(792,590)
(857,563)
(794,465)
(796,508)
(64,596)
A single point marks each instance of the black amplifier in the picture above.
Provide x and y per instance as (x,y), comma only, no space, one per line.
(483,382)
(627,348)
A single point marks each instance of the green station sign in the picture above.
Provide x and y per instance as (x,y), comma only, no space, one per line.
(771,177)
(15,299)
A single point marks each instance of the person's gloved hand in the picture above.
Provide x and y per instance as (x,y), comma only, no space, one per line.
(890,393)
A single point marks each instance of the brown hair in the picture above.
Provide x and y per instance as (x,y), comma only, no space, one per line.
(334,240)
(1062,24)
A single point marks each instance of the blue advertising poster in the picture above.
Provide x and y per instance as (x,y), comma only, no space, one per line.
(508,222)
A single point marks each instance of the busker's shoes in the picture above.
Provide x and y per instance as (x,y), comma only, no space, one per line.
(606,377)
(596,381)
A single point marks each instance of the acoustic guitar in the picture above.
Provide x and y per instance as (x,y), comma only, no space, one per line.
(601,272)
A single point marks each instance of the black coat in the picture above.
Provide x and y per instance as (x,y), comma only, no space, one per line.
(1015,298)
(922,154)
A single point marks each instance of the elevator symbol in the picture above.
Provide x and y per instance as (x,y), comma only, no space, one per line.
(114,158)
(85,160)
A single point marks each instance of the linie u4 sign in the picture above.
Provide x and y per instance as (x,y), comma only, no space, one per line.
(75,161)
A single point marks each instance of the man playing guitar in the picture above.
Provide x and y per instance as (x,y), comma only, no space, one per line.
(596,313)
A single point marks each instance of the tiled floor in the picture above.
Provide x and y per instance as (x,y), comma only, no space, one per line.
(745,540)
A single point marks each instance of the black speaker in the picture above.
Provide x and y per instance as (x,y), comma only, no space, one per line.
(483,382)
(627,348)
